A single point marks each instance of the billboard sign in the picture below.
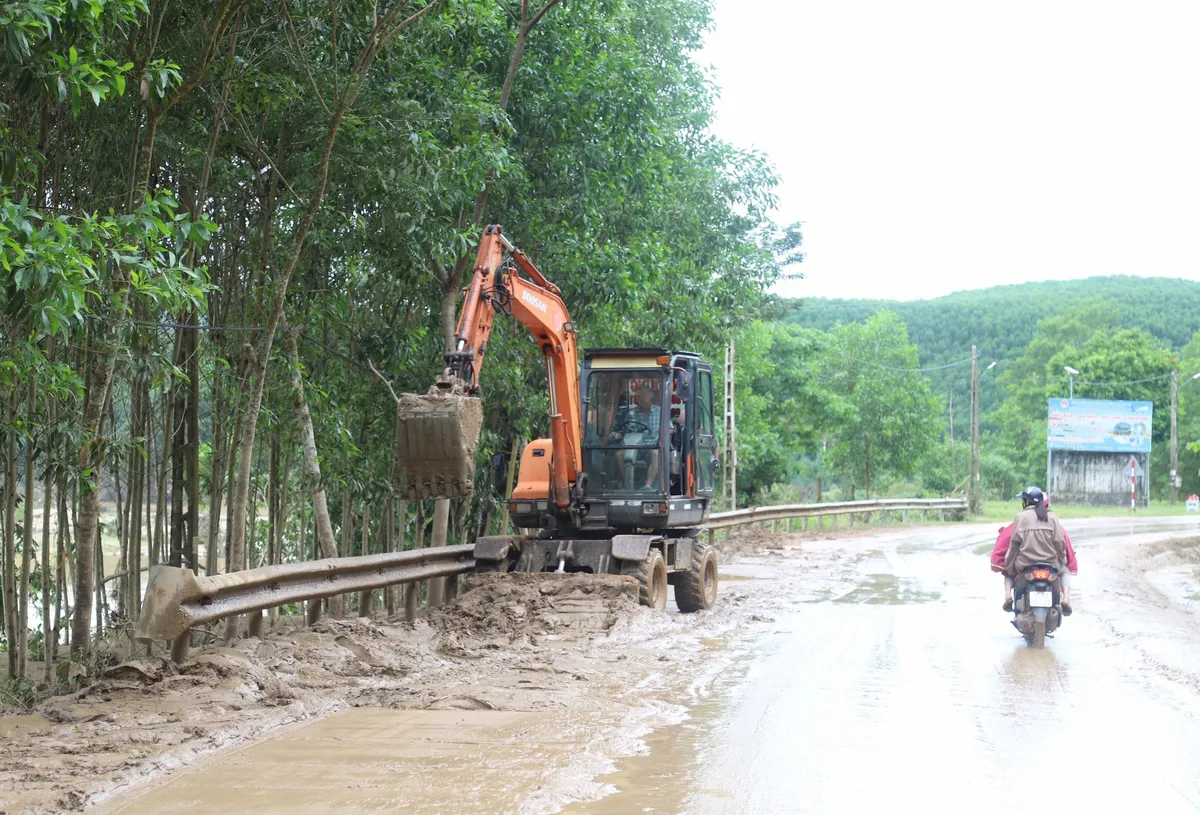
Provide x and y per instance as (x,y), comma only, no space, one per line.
(1100,425)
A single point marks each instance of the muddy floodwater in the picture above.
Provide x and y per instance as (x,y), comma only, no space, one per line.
(835,676)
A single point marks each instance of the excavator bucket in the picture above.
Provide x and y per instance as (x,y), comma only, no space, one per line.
(437,434)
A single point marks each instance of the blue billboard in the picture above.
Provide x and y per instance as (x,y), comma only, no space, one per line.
(1100,425)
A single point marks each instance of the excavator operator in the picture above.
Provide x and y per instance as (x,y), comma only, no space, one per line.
(639,427)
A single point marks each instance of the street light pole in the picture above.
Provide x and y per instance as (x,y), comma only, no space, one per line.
(1174,435)
(973,488)
(1071,374)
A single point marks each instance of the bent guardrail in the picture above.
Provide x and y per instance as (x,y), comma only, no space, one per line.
(741,517)
(177,599)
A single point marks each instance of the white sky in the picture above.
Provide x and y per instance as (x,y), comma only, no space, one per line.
(937,145)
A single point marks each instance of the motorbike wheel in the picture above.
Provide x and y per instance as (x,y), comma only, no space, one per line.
(1039,634)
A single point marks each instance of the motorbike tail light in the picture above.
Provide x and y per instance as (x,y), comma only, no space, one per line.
(1041,574)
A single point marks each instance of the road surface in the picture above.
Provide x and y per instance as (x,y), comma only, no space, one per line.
(876,673)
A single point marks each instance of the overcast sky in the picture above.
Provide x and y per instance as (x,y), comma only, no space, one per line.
(937,145)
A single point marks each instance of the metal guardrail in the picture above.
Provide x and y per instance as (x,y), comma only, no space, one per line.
(177,599)
(740,517)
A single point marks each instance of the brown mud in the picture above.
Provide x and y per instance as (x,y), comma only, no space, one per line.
(510,643)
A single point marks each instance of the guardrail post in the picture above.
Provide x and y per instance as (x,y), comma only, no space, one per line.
(410,601)
(179,648)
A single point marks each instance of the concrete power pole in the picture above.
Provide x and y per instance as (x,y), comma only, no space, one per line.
(973,490)
(1174,435)
(729,459)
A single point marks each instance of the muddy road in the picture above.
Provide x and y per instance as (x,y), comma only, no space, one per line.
(834,676)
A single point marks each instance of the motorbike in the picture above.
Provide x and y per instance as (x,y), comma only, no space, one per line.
(1037,603)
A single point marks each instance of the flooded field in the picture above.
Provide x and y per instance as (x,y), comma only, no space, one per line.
(841,675)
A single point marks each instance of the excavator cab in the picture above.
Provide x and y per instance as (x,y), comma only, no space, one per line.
(649,448)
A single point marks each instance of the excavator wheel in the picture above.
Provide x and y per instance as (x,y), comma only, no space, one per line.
(651,575)
(696,588)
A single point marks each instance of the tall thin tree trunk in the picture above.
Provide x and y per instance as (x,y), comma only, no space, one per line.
(179,451)
(47,511)
(441,522)
(122,538)
(60,582)
(365,598)
(101,360)
(216,476)
(193,442)
(11,620)
(347,527)
(323,526)
(27,549)
(164,463)
(412,591)
(137,485)
(390,543)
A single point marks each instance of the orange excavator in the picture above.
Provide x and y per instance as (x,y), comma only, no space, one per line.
(627,474)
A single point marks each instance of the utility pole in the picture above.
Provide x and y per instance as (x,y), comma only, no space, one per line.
(729,459)
(1174,436)
(973,490)
(952,418)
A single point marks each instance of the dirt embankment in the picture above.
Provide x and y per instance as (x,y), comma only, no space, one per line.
(511,642)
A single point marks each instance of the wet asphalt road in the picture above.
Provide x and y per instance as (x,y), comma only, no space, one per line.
(896,681)
(872,674)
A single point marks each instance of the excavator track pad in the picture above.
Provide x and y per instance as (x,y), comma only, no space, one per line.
(437,435)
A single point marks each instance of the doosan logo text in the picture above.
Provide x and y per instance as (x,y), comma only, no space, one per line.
(533,301)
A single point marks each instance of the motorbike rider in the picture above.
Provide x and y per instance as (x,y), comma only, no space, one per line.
(1000,551)
(1037,537)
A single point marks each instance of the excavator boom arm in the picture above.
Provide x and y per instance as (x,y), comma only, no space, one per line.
(497,286)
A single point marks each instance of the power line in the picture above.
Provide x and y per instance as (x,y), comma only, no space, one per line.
(870,364)
(1129,382)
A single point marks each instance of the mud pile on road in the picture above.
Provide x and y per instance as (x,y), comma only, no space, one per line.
(512,607)
(148,716)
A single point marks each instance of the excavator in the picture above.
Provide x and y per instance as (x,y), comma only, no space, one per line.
(627,474)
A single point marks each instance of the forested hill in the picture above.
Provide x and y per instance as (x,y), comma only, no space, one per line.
(1001,320)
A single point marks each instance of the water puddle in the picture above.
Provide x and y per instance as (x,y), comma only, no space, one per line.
(19,727)
(888,589)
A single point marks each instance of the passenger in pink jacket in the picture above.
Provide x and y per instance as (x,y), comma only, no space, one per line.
(1001,550)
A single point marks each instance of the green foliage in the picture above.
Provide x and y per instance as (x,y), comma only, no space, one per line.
(1003,320)
(839,405)
(1113,364)
(892,417)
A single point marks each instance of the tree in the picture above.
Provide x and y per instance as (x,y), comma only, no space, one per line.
(891,417)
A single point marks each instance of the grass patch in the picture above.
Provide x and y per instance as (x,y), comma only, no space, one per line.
(1005,511)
